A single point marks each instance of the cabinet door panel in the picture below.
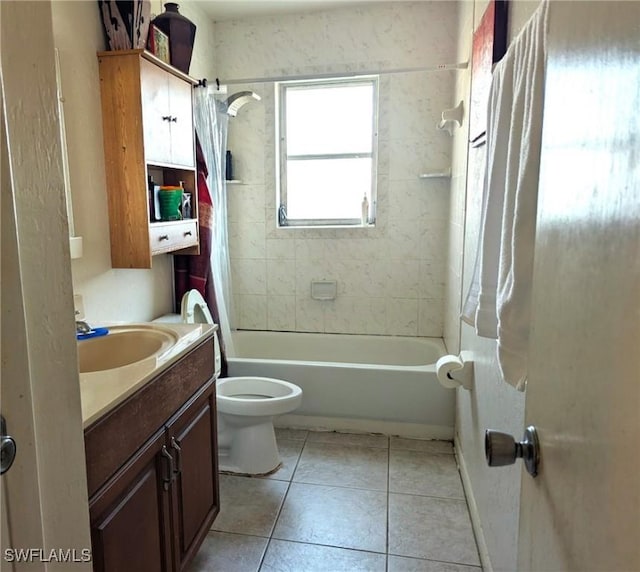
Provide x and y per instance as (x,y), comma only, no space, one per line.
(182,141)
(196,500)
(155,107)
(130,526)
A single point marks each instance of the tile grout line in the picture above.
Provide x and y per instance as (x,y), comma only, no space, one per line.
(284,498)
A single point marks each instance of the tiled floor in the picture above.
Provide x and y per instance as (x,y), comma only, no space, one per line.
(345,503)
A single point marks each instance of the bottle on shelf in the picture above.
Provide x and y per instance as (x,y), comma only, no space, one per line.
(229,167)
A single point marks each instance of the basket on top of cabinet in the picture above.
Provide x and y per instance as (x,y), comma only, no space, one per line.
(147,120)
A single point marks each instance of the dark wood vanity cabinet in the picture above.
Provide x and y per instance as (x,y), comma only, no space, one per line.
(153,511)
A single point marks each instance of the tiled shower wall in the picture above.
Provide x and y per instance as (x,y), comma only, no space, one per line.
(391,278)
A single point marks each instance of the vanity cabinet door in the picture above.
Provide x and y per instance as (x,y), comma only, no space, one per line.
(130,515)
(192,438)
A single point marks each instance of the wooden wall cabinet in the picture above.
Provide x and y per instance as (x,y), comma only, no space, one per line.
(152,470)
(147,120)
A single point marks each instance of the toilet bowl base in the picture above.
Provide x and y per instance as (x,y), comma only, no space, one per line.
(252,451)
(228,470)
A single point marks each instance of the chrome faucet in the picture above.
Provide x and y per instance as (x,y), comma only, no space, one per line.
(82,327)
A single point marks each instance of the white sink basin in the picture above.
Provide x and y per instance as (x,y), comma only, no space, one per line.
(124,345)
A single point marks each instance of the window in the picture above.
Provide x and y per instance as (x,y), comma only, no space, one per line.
(327,151)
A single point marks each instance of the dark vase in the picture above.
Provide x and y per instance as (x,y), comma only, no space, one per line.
(181,32)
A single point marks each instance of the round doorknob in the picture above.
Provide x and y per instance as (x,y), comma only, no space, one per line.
(502,449)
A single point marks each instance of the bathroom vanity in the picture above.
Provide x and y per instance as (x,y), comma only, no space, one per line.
(152,467)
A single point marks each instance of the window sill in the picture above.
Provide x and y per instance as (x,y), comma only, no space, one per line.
(323,227)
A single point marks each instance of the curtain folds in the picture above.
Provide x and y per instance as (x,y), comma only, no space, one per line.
(210,271)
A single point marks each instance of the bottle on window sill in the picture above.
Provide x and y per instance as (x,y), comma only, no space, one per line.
(365,211)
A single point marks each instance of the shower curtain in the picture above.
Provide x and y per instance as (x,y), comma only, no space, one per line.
(212,266)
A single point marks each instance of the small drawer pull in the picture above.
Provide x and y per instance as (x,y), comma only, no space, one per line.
(174,119)
(166,118)
(188,233)
(163,237)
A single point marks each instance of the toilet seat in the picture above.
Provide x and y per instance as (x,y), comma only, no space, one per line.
(240,396)
(194,309)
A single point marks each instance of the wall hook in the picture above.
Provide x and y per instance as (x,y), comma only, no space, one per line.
(451,118)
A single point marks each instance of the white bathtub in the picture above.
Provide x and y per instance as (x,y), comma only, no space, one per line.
(353,383)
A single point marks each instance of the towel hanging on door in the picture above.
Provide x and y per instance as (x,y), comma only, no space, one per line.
(498,304)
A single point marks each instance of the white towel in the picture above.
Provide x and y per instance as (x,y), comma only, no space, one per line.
(499,300)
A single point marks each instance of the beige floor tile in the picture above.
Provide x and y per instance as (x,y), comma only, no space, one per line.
(362,440)
(402,564)
(418,473)
(285,556)
(291,434)
(289,454)
(249,506)
(343,466)
(335,516)
(433,528)
(229,553)
(402,444)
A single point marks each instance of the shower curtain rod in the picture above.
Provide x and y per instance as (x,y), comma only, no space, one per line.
(439,67)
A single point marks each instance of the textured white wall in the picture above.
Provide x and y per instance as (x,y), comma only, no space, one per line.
(492,404)
(391,279)
(109,294)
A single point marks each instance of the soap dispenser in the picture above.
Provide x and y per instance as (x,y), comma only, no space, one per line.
(365,210)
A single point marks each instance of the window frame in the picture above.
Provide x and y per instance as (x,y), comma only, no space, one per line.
(281,152)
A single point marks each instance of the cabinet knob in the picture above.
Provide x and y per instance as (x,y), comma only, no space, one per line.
(166,118)
(163,237)
(174,119)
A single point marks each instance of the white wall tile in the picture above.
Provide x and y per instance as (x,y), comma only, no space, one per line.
(430,317)
(245,203)
(433,277)
(249,276)
(402,317)
(247,240)
(253,312)
(280,249)
(307,249)
(310,314)
(281,313)
(403,279)
(281,277)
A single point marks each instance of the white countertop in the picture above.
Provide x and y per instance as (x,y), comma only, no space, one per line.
(101,391)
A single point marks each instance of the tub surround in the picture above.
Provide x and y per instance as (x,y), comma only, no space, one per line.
(101,391)
(391,276)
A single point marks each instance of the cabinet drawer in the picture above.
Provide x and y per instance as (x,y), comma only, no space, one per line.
(173,236)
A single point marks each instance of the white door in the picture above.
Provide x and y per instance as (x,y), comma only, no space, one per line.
(582,512)
(43,495)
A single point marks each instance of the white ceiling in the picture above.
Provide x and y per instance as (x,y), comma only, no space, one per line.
(231,9)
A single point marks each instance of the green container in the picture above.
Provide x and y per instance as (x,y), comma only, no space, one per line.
(170,203)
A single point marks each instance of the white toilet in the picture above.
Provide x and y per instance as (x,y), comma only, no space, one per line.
(246,407)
